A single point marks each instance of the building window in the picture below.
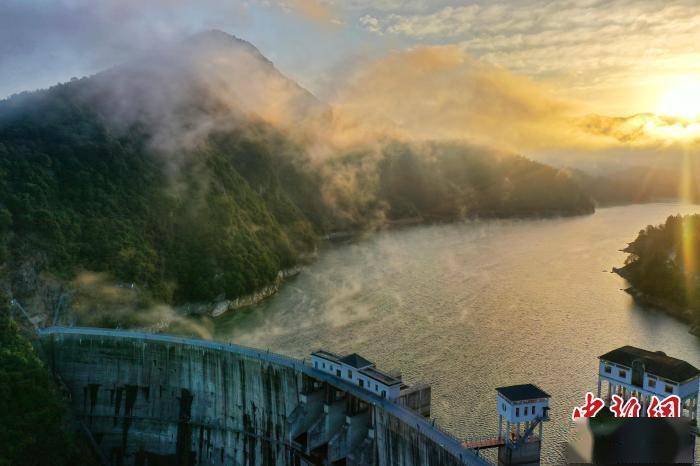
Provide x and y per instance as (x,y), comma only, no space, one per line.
(383,393)
(362,383)
(323,364)
(316,364)
(503,405)
(349,374)
(608,370)
(668,389)
(517,412)
(651,383)
(337,372)
(622,373)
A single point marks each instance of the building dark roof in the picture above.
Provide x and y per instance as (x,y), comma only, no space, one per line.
(380,376)
(327,355)
(655,362)
(522,392)
(356,361)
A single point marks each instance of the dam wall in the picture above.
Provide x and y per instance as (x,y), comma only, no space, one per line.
(152,399)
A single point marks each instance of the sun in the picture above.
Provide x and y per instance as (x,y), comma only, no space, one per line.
(682,99)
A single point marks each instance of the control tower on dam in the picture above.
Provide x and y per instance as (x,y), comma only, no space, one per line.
(150,399)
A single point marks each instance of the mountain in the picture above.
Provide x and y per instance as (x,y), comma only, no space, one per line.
(211,81)
(189,173)
(150,172)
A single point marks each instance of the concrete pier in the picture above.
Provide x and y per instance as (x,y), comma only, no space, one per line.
(157,399)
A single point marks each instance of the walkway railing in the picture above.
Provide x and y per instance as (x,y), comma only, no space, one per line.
(441,437)
(479,439)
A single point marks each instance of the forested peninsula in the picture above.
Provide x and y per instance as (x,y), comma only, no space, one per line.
(663,268)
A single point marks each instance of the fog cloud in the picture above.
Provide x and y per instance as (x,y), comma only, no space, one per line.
(98,301)
(644,129)
(443,93)
(214,82)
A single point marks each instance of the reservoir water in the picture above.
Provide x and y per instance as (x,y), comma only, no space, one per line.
(473,306)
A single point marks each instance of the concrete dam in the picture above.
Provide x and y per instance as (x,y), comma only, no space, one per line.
(151,399)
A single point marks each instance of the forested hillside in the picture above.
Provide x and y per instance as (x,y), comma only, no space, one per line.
(445,181)
(175,188)
(86,198)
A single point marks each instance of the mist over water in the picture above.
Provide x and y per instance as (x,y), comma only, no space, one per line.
(473,306)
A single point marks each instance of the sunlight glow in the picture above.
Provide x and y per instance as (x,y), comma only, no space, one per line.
(688,231)
(672,131)
(682,99)
(689,228)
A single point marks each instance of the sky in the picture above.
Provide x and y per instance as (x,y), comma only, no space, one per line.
(616,56)
(597,62)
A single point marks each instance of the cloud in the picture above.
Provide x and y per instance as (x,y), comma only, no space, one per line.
(312,9)
(182,93)
(441,92)
(587,46)
(386,5)
(643,129)
(370,23)
(505,80)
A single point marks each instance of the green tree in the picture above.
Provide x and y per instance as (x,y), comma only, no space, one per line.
(32,412)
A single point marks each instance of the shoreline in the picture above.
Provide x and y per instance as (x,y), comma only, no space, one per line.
(216,309)
(230,305)
(648,301)
(407,222)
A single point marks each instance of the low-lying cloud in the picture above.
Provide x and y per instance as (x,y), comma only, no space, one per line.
(98,301)
(644,129)
(442,93)
(214,82)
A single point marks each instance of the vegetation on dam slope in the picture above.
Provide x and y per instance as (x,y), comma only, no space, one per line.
(34,428)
